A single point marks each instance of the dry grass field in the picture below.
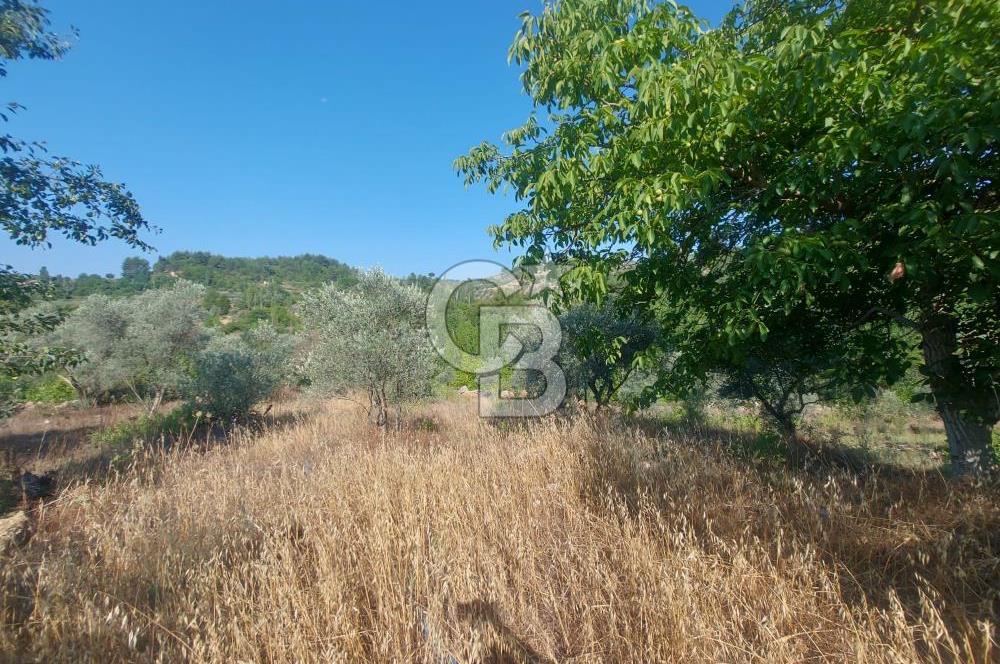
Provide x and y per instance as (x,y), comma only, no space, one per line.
(457,540)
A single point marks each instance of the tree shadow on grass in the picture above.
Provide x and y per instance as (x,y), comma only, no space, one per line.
(75,454)
(891,533)
(505,646)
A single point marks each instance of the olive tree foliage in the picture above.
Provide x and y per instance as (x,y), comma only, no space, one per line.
(236,372)
(823,167)
(601,345)
(23,320)
(42,194)
(784,374)
(370,338)
(145,344)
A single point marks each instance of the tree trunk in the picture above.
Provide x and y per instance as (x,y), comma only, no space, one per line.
(798,451)
(378,413)
(968,420)
(81,393)
(970,442)
(157,400)
(784,423)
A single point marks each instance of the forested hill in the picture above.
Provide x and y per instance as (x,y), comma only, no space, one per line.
(241,291)
(232,274)
(228,273)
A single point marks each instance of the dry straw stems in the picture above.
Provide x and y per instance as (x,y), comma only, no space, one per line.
(457,540)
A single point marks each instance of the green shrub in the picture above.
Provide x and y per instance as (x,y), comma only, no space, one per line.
(146,428)
(227,385)
(277,314)
(235,373)
(49,389)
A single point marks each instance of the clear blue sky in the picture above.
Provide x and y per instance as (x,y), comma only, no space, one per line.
(282,127)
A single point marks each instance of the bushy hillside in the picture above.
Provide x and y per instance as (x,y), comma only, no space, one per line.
(227,273)
(241,291)
(211,270)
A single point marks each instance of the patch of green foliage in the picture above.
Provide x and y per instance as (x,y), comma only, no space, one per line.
(463,325)
(49,389)
(277,314)
(123,440)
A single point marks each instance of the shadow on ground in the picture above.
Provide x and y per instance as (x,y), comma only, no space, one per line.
(60,442)
(891,533)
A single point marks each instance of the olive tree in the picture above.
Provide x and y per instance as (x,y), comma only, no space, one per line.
(370,338)
(145,344)
(236,372)
(831,158)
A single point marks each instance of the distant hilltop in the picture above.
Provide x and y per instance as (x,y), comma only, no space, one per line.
(233,273)
(241,291)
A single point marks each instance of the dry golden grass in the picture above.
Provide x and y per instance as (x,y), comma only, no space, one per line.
(46,438)
(569,540)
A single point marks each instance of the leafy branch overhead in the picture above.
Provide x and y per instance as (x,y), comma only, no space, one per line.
(41,195)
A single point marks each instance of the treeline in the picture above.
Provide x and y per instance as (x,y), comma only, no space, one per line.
(210,270)
(240,292)
(224,273)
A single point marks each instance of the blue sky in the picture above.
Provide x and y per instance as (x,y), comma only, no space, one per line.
(282,127)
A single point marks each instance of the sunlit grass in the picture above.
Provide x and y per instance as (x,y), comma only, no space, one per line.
(577,539)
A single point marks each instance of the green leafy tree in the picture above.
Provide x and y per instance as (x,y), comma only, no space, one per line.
(136,272)
(370,338)
(837,158)
(21,326)
(41,194)
(600,348)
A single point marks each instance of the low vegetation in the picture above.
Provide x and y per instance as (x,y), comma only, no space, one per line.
(235,373)
(586,539)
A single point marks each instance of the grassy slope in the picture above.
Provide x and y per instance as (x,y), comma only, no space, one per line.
(572,540)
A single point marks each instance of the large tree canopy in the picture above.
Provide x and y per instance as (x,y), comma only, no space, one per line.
(41,194)
(811,170)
